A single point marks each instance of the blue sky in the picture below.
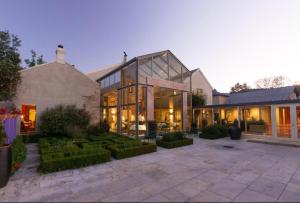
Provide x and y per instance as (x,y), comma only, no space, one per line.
(231,41)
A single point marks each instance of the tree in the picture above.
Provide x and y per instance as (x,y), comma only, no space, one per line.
(198,100)
(9,65)
(297,90)
(271,82)
(34,59)
(240,88)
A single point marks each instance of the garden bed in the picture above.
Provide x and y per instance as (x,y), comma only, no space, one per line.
(60,154)
(214,131)
(175,143)
(173,140)
(123,147)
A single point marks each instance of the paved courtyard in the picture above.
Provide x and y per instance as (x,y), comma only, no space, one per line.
(205,171)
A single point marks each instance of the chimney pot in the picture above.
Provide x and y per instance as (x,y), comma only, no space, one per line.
(124,57)
(60,54)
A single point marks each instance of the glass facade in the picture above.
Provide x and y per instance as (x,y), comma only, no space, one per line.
(127,95)
(273,120)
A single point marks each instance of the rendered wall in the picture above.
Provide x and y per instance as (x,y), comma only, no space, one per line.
(53,84)
(200,82)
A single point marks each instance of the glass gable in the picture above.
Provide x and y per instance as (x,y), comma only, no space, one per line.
(124,95)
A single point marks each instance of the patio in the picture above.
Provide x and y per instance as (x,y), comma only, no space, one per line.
(204,171)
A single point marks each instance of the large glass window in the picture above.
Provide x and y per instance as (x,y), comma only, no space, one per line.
(145,70)
(175,69)
(257,120)
(160,67)
(142,115)
(283,120)
(129,75)
(229,115)
(186,77)
(168,109)
(128,120)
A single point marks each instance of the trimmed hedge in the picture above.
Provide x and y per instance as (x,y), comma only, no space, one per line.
(174,143)
(18,153)
(121,151)
(61,154)
(121,146)
(214,131)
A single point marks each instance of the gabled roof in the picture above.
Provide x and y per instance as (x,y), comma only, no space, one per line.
(199,70)
(262,95)
(95,75)
(120,66)
(216,93)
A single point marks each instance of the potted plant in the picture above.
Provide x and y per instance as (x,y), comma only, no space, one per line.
(235,132)
(5,158)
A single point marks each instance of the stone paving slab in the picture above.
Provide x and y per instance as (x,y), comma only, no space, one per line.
(203,172)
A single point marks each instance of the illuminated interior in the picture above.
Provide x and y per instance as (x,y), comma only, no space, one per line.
(229,114)
(298,121)
(168,109)
(257,120)
(28,118)
(124,95)
(283,120)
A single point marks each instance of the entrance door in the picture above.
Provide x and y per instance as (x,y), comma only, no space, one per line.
(283,121)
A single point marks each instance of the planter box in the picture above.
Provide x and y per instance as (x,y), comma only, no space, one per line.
(174,144)
(121,153)
(257,128)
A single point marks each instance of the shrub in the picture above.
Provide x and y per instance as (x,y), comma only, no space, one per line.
(55,121)
(104,126)
(100,128)
(18,153)
(74,131)
(174,143)
(130,150)
(94,130)
(214,131)
(172,136)
(122,146)
(60,154)
(174,139)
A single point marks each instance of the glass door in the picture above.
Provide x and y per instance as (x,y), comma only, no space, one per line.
(298,120)
(283,121)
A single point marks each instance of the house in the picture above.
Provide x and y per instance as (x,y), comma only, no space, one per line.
(152,87)
(273,112)
(201,86)
(50,84)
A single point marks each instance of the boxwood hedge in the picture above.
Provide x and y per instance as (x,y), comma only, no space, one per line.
(173,140)
(61,154)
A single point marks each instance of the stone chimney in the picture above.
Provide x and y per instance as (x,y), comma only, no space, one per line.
(124,57)
(60,54)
